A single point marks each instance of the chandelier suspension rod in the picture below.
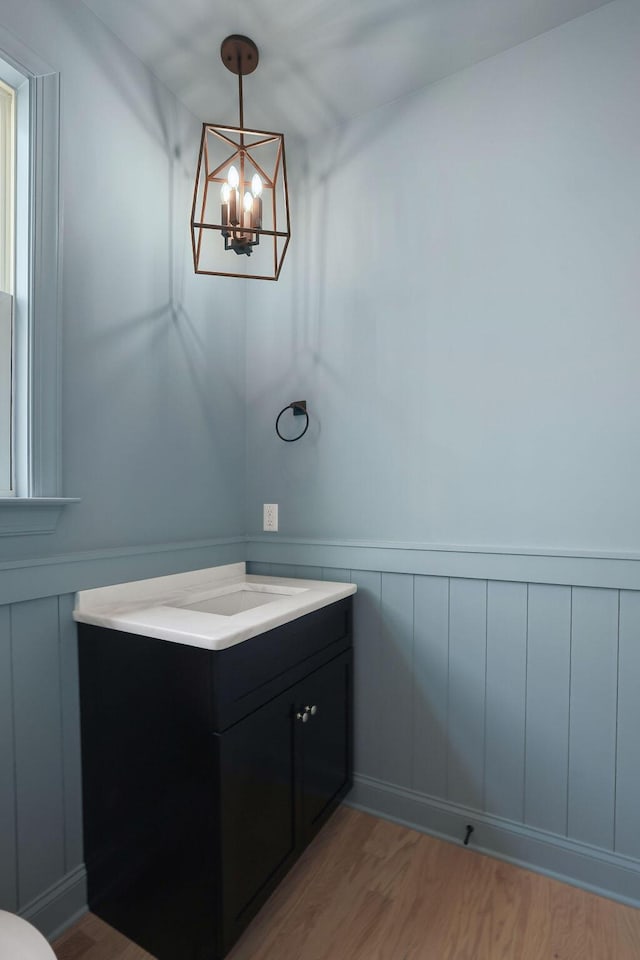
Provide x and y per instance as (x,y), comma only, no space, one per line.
(240,97)
(241,111)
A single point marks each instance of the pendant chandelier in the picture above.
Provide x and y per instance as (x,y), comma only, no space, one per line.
(240,215)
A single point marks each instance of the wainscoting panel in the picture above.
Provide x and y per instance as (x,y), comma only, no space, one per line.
(627,834)
(38,745)
(334,573)
(8,863)
(593,716)
(512,706)
(368,679)
(396,707)
(547,716)
(430,675)
(506,699)
(467,687)
(71,769)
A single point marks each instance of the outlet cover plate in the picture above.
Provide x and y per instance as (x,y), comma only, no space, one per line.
(270,517)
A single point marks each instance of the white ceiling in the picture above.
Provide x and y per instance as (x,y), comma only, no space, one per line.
(321,61)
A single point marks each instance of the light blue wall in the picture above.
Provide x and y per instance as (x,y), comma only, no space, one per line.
(461,317)
(153,426)
(461,310)
(152,356)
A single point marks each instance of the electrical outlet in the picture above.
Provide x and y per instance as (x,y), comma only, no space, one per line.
(270,517)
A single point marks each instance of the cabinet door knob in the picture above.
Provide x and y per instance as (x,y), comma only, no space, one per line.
(313,710)
(303,716)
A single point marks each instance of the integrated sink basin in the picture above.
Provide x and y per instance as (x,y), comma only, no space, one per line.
(241,597)
(213,608)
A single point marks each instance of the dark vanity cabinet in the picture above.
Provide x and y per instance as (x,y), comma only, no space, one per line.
(207,773)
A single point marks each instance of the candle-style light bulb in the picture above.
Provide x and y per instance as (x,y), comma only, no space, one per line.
(256,189)
(233,179)
(247,203)
(225,193)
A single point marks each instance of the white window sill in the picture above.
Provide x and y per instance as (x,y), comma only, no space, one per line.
(21,515)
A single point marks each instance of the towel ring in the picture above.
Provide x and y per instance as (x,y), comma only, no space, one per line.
(299,408)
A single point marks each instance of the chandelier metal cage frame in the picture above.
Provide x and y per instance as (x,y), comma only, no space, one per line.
(241,218)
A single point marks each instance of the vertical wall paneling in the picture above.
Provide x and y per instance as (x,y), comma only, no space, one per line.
(506,699)
(431,669)
(467,666)
(396,732)
(261,569)
(593,710)
(289,570)
(337,575)
(627,833)
(38,740)
(72,778)
(547,730)
(8,889)
(368,667)
(310,573)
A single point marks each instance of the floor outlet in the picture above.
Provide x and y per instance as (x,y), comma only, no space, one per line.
(270,517)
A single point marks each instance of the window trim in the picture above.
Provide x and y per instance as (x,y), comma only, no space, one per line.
(7,189)
(37,441)
(8,153)
(6,383)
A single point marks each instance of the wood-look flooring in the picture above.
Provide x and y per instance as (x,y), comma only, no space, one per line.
(367,889)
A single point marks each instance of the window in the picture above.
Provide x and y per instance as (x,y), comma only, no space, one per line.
(30,500)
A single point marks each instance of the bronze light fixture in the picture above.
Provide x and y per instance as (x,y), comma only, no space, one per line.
(240,224)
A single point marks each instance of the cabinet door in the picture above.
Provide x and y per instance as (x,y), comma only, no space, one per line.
(326,764)
(257,809)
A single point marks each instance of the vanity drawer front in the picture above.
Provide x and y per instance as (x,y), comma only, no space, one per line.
(252,672)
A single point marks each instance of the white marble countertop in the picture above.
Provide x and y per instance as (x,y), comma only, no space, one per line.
(160,607)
